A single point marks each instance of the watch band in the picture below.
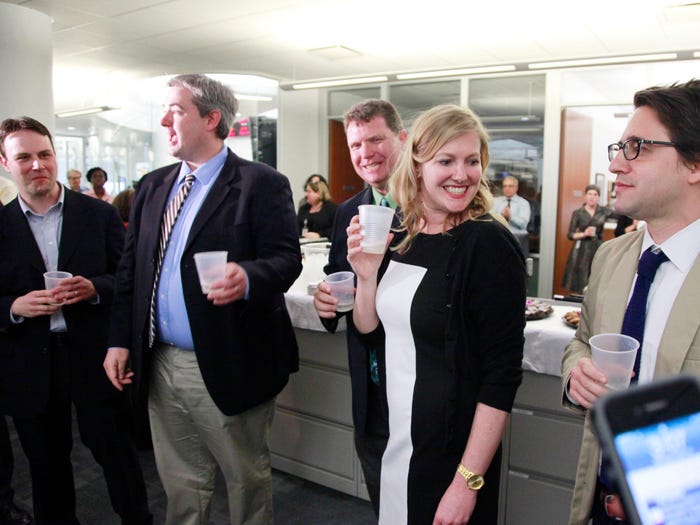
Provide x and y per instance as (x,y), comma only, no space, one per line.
(474,481)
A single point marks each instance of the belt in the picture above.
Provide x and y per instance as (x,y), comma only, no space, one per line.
(59,338)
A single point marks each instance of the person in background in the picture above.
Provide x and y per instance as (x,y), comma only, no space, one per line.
(97,177)
(314,177)
(10,513)
(586,230)
(657,164)
(316,216)
(375,134)
(627,224)
(514,208)
(455,280)
(74,178)
(213,363)
(62,333)
(122,202)
(8,190)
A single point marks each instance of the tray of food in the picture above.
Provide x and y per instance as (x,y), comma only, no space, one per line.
(536,309)
(572,318)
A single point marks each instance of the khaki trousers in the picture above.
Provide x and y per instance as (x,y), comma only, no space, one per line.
(191,436)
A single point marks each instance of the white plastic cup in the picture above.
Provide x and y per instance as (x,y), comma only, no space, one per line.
(614,354)
(376,223)
(53,279)
(342,286)
(211,267)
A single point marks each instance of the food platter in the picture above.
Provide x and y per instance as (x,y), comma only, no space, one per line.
(572,318)
(536,309)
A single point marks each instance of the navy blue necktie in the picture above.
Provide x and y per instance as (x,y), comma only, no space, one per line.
(636,313)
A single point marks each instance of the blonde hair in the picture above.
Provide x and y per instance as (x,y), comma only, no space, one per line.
(431,131)
(321,188)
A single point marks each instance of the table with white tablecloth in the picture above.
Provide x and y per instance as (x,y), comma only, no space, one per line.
(545,341)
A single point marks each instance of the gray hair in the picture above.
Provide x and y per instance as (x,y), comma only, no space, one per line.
(210,95)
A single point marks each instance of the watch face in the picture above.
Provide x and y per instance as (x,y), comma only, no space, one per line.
(476,482)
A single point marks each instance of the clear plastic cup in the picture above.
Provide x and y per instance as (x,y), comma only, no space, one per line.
(342,286)
(53,279)
(376,223)
(211,267)
(614,354)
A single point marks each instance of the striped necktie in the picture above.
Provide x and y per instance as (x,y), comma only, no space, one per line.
(166,227)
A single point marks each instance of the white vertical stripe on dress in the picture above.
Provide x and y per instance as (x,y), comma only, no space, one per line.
(394,299)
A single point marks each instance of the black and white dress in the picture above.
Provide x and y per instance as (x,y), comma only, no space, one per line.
(415,303)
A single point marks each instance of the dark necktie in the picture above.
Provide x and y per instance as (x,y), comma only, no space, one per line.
(373,363)
(508,203)
(635,315)
(166,227)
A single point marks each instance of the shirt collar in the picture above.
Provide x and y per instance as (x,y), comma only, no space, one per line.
(208,171)
(377,197)
(682,248)
(59,203)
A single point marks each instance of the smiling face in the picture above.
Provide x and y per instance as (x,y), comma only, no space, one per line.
(450,180)
(373,150)
(31,160)
(190,135)
(655,185)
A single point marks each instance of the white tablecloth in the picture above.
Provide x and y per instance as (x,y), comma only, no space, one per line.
(545,341)
(303,314)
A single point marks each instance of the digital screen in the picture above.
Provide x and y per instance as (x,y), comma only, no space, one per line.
(662,466)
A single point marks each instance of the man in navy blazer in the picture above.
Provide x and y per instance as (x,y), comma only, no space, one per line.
(53,342)
(375,134)
(218,359)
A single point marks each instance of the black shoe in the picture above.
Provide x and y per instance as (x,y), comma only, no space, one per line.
(11,514)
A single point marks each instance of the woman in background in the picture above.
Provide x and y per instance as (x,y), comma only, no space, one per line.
(586,229)
(316,215)
(446,316)
(122,202)
(97,177)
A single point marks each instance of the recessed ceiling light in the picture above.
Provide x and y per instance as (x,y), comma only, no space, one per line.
(340,82)
(456,72)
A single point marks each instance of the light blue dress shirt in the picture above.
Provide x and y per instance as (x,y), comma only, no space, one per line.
(47,234)
(172,322)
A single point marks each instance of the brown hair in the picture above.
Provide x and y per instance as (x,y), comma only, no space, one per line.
(11,125)
(368,109)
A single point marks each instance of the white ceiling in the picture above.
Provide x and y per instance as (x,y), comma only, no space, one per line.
(126,39)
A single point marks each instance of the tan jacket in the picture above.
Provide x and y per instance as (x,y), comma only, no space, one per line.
(603,309)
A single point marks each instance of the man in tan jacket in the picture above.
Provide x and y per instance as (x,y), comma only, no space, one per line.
(657,163)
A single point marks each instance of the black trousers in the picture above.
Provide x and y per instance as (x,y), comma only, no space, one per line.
(6,464)
(47,442)
(371,444)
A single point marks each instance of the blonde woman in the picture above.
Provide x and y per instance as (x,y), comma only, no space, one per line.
(445,308)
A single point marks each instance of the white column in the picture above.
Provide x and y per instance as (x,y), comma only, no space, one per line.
(26,64)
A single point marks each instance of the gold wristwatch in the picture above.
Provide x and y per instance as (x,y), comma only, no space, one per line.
(474,481)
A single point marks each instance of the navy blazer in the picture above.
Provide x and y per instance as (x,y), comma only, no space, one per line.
(247,349)
(92,236)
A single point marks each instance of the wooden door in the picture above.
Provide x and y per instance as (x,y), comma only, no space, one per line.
(343,182)
(574,176)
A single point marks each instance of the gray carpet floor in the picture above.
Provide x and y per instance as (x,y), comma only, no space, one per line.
(296,501)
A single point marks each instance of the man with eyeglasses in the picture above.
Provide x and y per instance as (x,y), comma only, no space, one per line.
(657,164)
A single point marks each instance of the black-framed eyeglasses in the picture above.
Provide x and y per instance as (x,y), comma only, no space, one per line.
(631,148)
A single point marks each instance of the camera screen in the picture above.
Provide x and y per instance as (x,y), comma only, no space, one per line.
(662,467)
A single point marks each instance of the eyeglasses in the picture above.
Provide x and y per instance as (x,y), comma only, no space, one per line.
(631,148)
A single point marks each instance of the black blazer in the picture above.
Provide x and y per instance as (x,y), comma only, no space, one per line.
(92,236)
(358,353)
(245,350)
